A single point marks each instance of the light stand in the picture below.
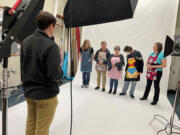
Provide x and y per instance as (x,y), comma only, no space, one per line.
(169,125)
(14,28)
(5,94)
(175,105)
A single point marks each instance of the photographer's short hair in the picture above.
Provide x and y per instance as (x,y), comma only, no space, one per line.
(159,46)
(128,48)
(44,19)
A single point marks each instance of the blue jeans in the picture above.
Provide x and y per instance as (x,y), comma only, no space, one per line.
(126,85)
(115,83)
(86,78)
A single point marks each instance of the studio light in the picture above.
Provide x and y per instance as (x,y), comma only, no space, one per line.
(177,48)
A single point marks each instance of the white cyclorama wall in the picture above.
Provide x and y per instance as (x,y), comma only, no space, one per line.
(153,20)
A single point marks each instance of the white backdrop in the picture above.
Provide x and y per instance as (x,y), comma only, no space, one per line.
(153,20)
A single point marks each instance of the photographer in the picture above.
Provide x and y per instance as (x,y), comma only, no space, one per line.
(40,74)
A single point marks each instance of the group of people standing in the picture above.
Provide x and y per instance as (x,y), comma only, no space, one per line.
(113,63)
(41,72)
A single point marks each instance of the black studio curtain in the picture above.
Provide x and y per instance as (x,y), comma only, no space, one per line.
(89,12)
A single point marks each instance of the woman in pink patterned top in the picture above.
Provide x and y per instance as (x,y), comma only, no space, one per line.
(115,64)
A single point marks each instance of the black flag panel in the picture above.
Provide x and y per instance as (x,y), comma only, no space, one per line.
(89,12)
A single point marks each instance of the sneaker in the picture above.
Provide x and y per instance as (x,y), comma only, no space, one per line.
(86,86)
(143,98)
(82,86)
(97,88)
(122,94)
(132,96)
(153,103)
(103,89)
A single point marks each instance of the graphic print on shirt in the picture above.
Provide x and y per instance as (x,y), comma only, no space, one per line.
(101,57)
(114,73)
(115,60)
(131,71)
(152,73)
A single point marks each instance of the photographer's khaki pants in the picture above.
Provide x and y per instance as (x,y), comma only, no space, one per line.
(40,115)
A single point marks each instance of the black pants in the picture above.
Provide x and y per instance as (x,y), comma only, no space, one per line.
(156,87)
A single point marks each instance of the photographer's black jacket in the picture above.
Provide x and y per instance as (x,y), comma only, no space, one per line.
(40,66)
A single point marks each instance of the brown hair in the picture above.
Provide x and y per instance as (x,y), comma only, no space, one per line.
(159,46)
(128,48)
(44,19)
(103,42)
(84,44)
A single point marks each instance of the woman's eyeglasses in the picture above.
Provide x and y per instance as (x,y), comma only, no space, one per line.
(116,48)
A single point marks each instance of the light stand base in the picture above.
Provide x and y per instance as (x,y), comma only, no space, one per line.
(168,128)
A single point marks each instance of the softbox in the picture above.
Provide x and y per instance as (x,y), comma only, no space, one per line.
(169,44)
(88,12)
(19,25)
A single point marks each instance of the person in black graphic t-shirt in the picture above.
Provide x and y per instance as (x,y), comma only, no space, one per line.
(134,68)
(101,57)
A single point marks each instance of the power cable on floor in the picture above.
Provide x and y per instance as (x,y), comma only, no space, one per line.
(167,126)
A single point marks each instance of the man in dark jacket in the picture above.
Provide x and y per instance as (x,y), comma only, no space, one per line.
(134,68)
(40,74)
(101,57)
